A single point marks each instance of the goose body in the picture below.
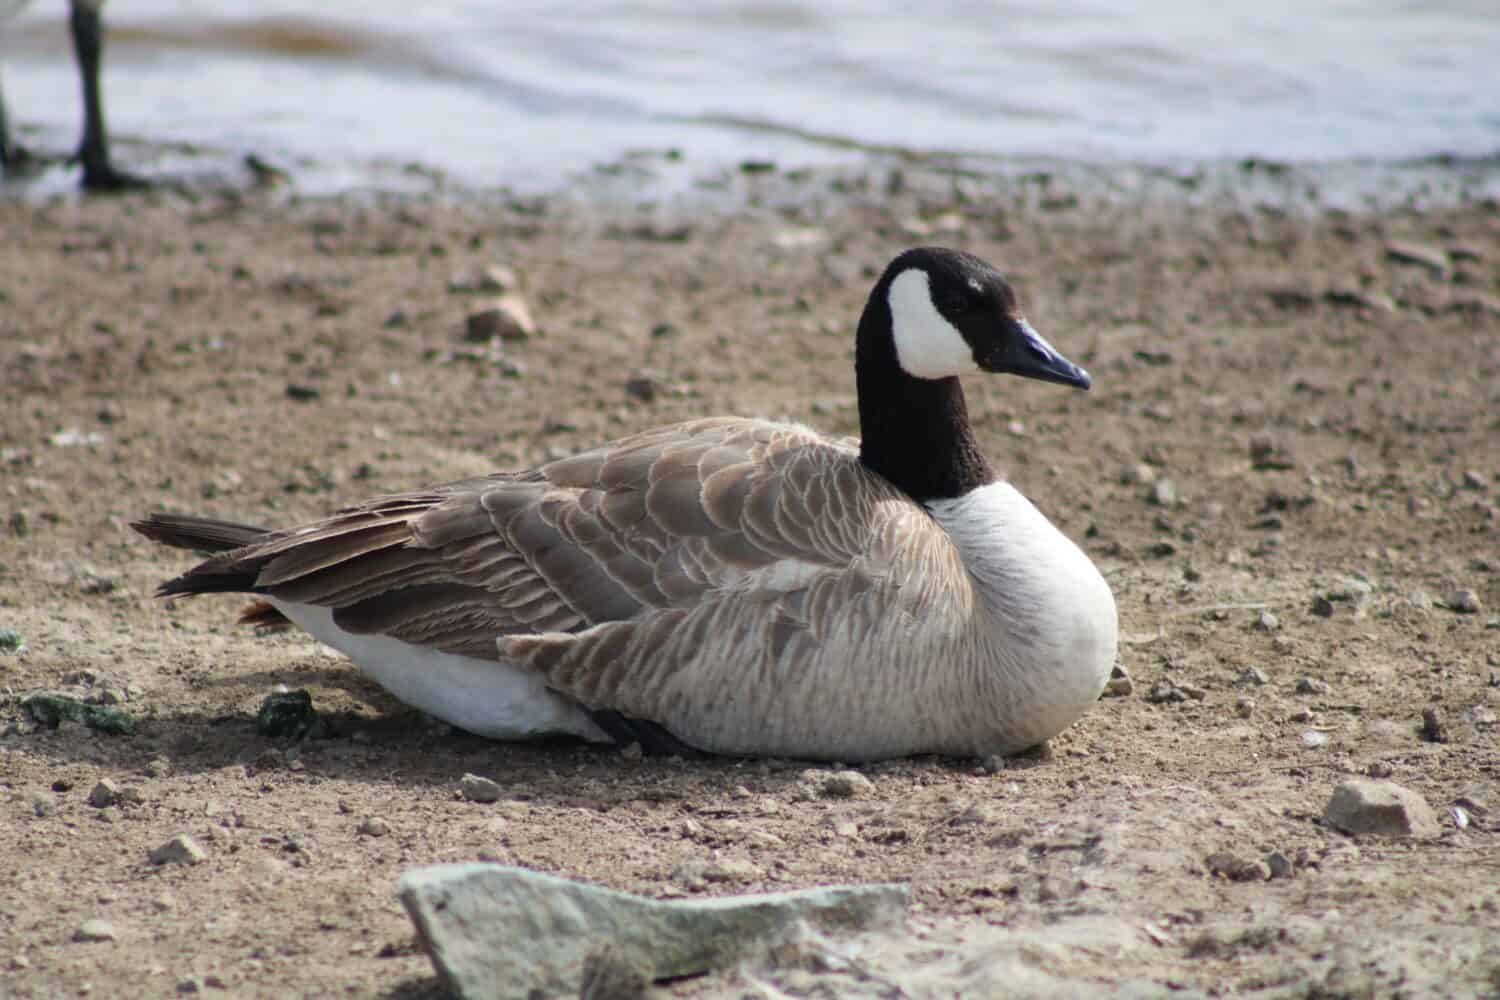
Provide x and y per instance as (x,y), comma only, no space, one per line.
(731,585)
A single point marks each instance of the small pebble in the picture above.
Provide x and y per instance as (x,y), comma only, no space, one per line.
(1313,739)
(95,930)
(1163,493)
(478,789)
(1322,607)
(1434,728)
(1244,707)
(1464,601)
(1433,259)
(181,849)
(1379,769)
(1235,868)
(1254,676)
(373,826)
(1119,684)
(1279,865)
(1266,622)
(104,793)
(1311,685)
(846,785)
(992,764)
(1164,692)
(507,318)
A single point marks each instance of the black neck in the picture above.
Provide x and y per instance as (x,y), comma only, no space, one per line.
(914,432)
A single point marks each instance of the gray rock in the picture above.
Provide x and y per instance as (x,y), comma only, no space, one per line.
(479,789)
(95,930)
(373,826)
(1163,493)
(1382,808)
(498,932)
(180,850)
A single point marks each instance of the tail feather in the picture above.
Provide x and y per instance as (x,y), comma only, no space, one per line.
(227,571)
(202,534)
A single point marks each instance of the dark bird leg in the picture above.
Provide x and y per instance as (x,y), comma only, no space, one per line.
(654,739)
(88,46)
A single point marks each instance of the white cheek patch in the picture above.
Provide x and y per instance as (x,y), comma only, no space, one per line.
(927,345)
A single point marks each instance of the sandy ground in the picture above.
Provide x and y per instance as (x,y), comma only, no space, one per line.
(1289,466)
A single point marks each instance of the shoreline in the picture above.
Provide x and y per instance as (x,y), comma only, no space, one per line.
(666,178)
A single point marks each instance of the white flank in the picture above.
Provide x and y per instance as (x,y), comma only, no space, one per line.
(485,697)
(927,345)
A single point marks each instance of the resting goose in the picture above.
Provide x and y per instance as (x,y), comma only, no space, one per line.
(730,585)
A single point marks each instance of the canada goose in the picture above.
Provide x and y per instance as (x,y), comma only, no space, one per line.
(87,27)
(733,585)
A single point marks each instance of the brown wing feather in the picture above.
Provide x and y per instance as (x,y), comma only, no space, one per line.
(618,534)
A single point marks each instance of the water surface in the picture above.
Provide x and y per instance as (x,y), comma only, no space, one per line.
(529,94)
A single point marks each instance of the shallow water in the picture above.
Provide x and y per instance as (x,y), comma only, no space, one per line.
(527,95)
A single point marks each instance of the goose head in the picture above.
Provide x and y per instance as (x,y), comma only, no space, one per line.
(952,314)
(934,315)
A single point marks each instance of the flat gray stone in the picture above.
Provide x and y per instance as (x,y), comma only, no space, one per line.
(1382,808)
(494,932)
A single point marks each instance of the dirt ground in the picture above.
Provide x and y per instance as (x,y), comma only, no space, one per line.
(1289,470)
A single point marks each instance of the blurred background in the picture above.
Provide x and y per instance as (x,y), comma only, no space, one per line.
(530,96)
